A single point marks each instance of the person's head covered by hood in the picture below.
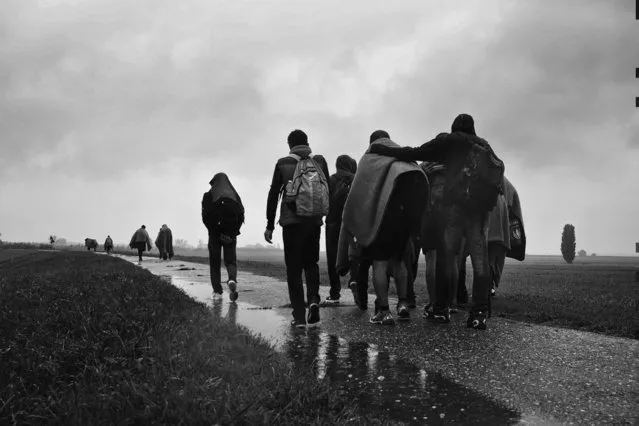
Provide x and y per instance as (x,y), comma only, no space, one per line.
(464,123)
(346,164)
(379,134)
(221,187)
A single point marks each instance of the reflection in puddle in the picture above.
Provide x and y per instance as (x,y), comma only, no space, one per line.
(376,378)
(381,379)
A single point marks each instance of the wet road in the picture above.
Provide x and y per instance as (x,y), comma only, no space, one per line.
(513,373)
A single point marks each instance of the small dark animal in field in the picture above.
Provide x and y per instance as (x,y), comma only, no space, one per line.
(91,243)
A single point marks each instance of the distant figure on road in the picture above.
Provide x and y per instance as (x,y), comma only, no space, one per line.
(339,186)
(141,241)
(302,180)
(223,216)
(90,243)
(108,244)
(164,243)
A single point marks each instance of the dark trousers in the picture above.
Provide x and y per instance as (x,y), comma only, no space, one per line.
(460,226)
(361,266)
(462,291)
(141,246)
(230,261)
(301,253)
(332,240)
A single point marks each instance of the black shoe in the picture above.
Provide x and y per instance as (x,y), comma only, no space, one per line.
(313,318)
(330,300)
(233,294)
(477,320)
(298,324)
(382,318)
(412,304)
(403,314)
(440,316)
(428,311)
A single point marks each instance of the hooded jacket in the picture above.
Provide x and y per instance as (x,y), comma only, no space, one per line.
(164,241)
(284,170)
(221,190)
(343,177)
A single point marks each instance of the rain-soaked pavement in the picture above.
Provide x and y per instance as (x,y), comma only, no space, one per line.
(513,373)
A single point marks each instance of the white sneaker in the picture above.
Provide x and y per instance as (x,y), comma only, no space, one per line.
(217,296)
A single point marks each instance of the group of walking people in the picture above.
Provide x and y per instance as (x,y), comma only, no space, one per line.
(378,215)
(141,241)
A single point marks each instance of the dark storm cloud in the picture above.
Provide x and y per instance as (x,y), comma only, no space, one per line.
(549,81)
(113,85)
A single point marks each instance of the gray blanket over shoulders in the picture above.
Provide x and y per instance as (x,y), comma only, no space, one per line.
(368,198)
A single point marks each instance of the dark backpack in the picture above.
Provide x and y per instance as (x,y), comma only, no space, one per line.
(483,176)
(228,216)
(308,189)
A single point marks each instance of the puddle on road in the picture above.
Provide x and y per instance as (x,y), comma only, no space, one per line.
(381,379)
(377,379)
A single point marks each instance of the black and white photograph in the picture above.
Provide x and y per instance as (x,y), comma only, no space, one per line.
(319,212)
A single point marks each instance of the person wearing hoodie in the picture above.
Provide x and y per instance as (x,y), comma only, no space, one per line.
(300,234)
(223,216)
(141,241)
(340,185)
(164,243)
(463,211)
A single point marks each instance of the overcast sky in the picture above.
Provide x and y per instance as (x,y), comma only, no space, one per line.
(117,113)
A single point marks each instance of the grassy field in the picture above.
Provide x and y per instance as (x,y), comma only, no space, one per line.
(95,340)
(598,294)
(595,293)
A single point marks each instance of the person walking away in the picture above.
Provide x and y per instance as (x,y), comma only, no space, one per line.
(108,244)
(474,182)
(506,234)
(382,212)
(339,185)
(164,243)
(223,216)
(141,241)
(300,178)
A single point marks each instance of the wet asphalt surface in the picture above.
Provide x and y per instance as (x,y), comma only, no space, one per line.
(424,373)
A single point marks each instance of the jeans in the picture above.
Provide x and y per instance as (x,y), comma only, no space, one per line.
(230,261)
(301,253)
(457,226)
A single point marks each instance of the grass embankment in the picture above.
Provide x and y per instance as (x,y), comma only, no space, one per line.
(90,339)
(599,296)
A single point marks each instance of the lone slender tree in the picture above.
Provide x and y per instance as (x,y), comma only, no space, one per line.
(568,243)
